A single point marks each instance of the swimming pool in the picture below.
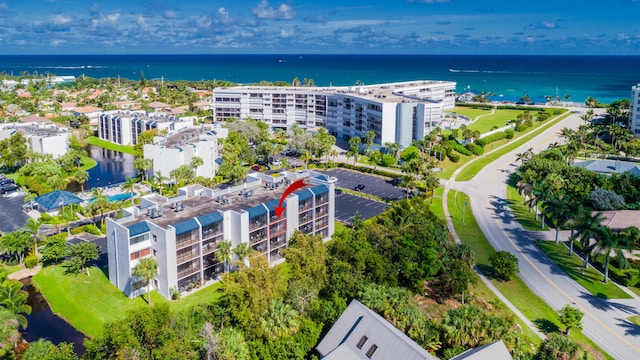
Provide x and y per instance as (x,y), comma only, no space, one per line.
(117,197)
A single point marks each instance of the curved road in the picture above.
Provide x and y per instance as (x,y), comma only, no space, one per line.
(604,321)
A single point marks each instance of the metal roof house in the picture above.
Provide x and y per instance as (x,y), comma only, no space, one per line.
(361,334)
(494,351)
(56,199)
(610,166)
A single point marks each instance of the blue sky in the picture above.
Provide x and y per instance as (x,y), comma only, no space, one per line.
(320,26)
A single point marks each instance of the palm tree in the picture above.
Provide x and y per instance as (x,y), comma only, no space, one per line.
(557,209)
(14,299)
(129,186)
(280,320)
(354,146)
(587,225)
(81,176)
(609,241)
(224,253)
(242,251)
(159,179)
(195,163)
(32,226)
(306,158)
(146,270)
(369,136)
(143,165)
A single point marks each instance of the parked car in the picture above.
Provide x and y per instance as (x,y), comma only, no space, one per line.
(7,182)
(9,187)
(396,181)
(256,168)
(359,187)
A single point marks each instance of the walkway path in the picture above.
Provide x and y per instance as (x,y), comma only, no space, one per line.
(24,273)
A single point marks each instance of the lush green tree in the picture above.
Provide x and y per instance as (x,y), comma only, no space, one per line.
(608,241)
(557,209)
(182,173)
(242,251)
(279,320)
(603,199)
(587,224)
(81,254)
(470,326)
(130,186)
(143,165)
(32,227)
(224,253)
(9,334)
(145,137)
(14,299)
(55,249)
(146,270)
(13,150)
(505,264)
(570,317)
(233,345)
(80,176)
(45,350)
(369,137)
(16,244)
(354,148)
(557,347)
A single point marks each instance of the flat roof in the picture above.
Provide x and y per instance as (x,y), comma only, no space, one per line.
(184,137)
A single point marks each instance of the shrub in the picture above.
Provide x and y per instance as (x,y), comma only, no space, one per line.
(603,199)
(521,127)
(475,149)
(77,230)
(92,229)
(505,264)
(509,133)
(389,160)
(632,277)
(31,261)
(491,138)
(439,152)
(453,157)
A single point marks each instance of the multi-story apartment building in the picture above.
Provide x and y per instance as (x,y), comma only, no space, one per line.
(123,127)
(183,233)
(175,150)
(396,112)
(42,138)
(634,111)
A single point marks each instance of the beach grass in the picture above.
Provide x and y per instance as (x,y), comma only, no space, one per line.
(572,265)
(128,149)
(515,290)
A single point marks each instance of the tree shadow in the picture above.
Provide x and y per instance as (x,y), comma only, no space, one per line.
(500,210)
(546,326)
(606,305)
(629,327)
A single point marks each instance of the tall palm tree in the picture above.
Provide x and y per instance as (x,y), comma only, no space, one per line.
(160,180)
(242,251)
(609,241)
(195,163)
(587,225)
(280,320)
(574,209)
(32,226)
(224,253)
(306,158)
(556,207)
(14,299)
(81,176)
(147,269)
(129,186)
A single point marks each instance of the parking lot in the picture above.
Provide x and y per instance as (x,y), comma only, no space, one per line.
(373,185)
(11,215)
(347,205)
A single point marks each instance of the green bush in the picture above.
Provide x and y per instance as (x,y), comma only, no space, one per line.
(521,127)
(632,277)
(367,170)
(45,218)
(491,138)
(459,148)
(453,157)
(31,261)
(475,149)
(439,152)
(509,133)
(77,230)
(92,229)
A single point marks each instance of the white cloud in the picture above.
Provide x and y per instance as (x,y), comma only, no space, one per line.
(548,25)
(108,20)
(223,16)
(287,33)
(169,14)
(57,42)
(203,21)
(60,19)
(266,11)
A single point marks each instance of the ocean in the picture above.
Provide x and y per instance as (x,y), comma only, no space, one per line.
(607,78)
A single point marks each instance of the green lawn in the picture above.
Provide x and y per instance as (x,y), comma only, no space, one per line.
(572,265)
(498,119)
(340,227)
(88,302)
(520,210)
(634,319)
(111,146)
(87,163)
(470,171)
(515,290)
(470,112)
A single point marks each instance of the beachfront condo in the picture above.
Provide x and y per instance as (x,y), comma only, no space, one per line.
(634,111)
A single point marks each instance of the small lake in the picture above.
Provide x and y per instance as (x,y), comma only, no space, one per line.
(113,168)
(44,324)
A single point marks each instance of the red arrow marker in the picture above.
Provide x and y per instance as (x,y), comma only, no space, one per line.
(293,187)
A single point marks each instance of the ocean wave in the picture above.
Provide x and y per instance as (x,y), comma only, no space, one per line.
(481,71)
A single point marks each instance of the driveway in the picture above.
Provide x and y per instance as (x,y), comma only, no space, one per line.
(374,185)
(11,215)
(347,205)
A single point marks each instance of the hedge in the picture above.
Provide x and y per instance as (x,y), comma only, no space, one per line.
(453,157)
(509,133)
(522,127)
(475,149)
(491,138)
(92,229)
(367,170)
(77,230)
(31,261)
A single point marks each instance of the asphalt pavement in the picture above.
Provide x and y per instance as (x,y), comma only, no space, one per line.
(378,186)
(347,205)
(12,217)
(605,320)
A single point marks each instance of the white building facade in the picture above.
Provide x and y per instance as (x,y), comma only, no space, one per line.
(124,127)
(46,139)
(634,111)
(183,233)
(396,112)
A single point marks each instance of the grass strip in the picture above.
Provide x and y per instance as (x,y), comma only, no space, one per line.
(572,265)
(89,302)
(515,290)
(634,319)
(470,171)
(93,140)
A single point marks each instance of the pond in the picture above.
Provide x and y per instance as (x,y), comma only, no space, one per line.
(44,324)
(113,168)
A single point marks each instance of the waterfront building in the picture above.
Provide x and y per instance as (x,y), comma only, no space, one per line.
(634,111)
(42,136)
(396,112)
(183,233)
(172,151)
(124,127)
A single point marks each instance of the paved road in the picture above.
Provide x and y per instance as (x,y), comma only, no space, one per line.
(11,215)
(605,320)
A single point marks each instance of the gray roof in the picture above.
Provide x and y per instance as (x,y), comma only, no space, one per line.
(493,351)
(610,166)
(357,322)
(57,199)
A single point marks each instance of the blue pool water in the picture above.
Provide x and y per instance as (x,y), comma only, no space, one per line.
(117,197)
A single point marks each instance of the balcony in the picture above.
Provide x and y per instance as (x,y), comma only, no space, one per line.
(188,271)
(258,236)
(187,242)
(181,259)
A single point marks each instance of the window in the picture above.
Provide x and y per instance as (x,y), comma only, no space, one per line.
(362,341)
(137,239)
(155,238)
(372,350)
(141,253)
(155,252)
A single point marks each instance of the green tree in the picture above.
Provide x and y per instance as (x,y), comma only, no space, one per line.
(55,249)
(557,209)
(32,227)
(45,350)
(224,253)
(16,244)
(242,251)
(146,270)
(81,254)
(195,163)
(354,148)
(505,264)
(587,225)
(369,137)
(182,173)
(80,176)
(557,347)
(570,317)
(9,334)
(14,299)
(129,186)
(143,165)
(279,320)
(608,241)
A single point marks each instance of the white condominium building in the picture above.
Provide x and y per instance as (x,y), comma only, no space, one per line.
(634,111)
(43,138)
(123,127)
(183,233)
(170,152)
(396,112)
